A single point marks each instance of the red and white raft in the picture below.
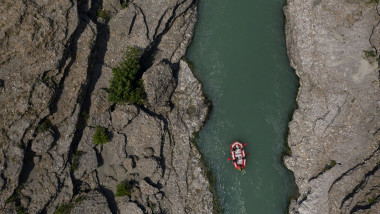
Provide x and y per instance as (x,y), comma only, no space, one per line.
(238,155)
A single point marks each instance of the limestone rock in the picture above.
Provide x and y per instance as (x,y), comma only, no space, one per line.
(56,62)
(333,135)
(147,189)
(123,115)
(127,164)
(43,142)
(147,166)
(130,208)
(159,84)
(144,132)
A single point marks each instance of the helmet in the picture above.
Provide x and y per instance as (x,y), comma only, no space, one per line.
(237,146)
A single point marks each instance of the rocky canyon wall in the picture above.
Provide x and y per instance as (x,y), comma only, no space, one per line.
(56,60)
(334,135)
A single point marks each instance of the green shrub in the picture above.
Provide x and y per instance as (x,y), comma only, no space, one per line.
(78,199)
(103,14)
(123,189)
(100,137)
(152,206)
(64,209)
(45,125)
(16,194)
(125,86)
(369,54)
(124,5)
(373,2)
(372,200)
(329,166)
(20,209)
(75,160)
(12,198)
(85,116)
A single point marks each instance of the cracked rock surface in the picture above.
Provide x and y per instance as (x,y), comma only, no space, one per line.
(334,135)
(56,60)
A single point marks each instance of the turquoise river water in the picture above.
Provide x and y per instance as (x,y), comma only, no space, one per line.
(239,55)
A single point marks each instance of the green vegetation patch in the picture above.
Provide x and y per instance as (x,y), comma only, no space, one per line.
(78,199)
(85,116)
(100,137)
(16,194)
(123,189)
(125,86)
(20,145)
(45,126)
(373,2)
(105,14)
(330,165)
(20,209)
(371,56)
(372,200)
(152,207)
(75,160)
(12,198)
(123,5)
(64,209)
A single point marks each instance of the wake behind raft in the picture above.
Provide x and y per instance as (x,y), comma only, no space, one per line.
(238,155)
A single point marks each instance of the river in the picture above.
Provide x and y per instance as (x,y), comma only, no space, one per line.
(239,55)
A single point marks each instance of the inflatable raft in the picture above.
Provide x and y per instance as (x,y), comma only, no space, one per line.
(238,155)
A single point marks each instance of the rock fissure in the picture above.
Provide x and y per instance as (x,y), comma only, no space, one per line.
(132,23)
(159,24)
(354,168)
(357,188)
(368,206)
(144,18)
(373,29)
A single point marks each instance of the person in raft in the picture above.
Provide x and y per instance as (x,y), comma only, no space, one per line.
(239,159)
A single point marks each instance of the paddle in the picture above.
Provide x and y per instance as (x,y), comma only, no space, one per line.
(245,144)
(228,158)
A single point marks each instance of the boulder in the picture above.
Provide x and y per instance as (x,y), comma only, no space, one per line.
(92,202)
(130,208)
(147,189)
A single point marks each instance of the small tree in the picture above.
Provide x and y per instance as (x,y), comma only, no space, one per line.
(100,137)
(125,86)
